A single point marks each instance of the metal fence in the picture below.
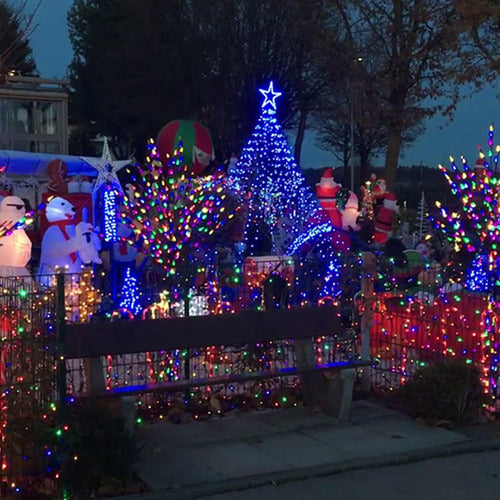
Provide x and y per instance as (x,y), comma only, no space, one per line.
(29,390)
(408,334)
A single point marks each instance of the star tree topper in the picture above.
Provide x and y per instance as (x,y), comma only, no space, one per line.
(270,96)
(106,168)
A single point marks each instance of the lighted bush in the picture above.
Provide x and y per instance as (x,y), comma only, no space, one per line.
(447,391)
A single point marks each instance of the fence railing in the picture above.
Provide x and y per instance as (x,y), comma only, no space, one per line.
(408,334)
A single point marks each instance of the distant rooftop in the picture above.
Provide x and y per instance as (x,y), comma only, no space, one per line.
(33,83)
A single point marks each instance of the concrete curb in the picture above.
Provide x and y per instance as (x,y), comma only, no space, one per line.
(281,477)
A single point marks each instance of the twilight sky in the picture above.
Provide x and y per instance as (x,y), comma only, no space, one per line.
(52,53)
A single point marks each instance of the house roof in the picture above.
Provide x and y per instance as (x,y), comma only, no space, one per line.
(25,163)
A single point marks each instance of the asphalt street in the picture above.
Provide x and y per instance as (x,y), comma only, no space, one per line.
(471,476)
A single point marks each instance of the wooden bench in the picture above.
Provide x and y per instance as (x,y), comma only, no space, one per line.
(327,386)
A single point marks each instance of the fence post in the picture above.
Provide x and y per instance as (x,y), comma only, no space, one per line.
(310,382)
(366,323)
(187,368)
(62,412)
(61,339)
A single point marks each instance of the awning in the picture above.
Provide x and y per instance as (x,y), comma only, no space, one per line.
(24,163)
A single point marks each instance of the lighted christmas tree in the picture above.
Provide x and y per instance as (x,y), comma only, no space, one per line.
(478,275)
(280,204)
(475,228)
(130,293)
(279,199)
(424,223)
(175,215)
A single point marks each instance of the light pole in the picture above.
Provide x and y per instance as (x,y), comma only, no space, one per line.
(353,97)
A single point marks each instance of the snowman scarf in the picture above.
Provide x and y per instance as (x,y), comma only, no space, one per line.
(61,224)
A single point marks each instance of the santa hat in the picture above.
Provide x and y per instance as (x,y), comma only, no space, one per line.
(390,196)
(479,164)
(380,188)
(327,187)
(352,201)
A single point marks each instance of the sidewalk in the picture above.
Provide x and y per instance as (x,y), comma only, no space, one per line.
(274,446)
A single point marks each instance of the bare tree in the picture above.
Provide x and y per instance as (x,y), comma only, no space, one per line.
(482,19)
(418,55)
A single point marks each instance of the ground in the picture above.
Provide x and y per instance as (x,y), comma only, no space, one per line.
(470,476)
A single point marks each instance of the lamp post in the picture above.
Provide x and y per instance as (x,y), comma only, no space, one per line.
(353,98)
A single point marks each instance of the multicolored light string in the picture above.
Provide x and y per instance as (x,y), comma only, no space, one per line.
(173,213)
(475,227)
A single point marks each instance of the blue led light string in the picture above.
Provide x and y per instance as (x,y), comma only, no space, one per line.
(110,214)
(130,293)
(267,177)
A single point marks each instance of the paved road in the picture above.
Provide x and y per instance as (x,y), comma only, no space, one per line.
(468,477)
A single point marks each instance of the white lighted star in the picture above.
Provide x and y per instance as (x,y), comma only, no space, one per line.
(106,168)
(269,96)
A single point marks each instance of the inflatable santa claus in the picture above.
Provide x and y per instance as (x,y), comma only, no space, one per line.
(326,191)
(383,220)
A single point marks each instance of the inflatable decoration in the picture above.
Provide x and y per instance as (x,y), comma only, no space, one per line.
(198,148)
(407,269)
(123,250)
(480,167)
(351,213)
(57,170)
(80,184)
(326,191)
(383,219)
(379,188)
(340,204)
(64,244)
(232,163)
(425,249)
(15,246)
(89,253)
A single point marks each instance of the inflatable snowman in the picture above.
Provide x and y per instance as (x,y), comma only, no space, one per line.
(15,246)
(64,244)
(350,214)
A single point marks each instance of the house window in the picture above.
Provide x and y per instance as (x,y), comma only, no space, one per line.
(16,116)
(47,118)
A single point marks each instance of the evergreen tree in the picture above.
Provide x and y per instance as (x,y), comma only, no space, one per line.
(478,275)
(15,29)
(280,202)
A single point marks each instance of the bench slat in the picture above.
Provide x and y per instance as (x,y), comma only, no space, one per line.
(248,327)
(181,385)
